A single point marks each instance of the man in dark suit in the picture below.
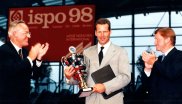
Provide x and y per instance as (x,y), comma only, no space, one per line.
(164,74)
(15,68)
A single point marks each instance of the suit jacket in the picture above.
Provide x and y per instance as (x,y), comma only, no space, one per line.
(164,84)
(15,75)
(118,59)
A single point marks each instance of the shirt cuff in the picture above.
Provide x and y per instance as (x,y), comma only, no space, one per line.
(38,63)
(67,80)
(147,72)
(31,63)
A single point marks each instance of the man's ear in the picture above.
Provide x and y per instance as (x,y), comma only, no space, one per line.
(10,34)
(14,34)
(95,33)
(167,40)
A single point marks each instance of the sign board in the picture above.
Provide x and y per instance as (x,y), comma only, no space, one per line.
(60,26)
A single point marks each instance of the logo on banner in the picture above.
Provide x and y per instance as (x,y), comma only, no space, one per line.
(16,15)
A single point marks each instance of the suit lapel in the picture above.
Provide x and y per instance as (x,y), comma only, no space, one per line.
(109,54)
(169,54)
(95,52)
(13,50)
(25,53)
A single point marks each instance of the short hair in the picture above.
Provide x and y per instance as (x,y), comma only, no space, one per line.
(103,21)
(13,25)
(167,32)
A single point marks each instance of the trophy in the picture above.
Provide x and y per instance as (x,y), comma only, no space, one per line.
(77,61)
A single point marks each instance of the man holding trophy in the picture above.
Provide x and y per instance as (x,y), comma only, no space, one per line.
(107,68)
(77,68)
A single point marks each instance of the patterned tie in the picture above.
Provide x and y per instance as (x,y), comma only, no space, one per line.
(101,55)
(20,53)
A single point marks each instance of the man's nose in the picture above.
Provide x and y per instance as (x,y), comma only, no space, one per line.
(29,35)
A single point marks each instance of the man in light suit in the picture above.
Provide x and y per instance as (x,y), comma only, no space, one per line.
(114,56)
(16,69)
(163,75)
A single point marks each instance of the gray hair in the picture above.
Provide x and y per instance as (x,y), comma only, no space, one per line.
(13,25)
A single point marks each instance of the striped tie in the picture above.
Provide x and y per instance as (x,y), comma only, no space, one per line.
(20,53)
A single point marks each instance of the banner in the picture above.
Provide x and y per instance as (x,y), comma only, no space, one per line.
(60,26)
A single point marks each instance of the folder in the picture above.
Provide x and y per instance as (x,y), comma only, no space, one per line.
(103,75)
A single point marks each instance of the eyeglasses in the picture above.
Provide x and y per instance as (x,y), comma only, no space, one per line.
(26,33)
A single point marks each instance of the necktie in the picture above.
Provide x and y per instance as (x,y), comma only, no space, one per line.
(101,55)
(20,53)
(163,56)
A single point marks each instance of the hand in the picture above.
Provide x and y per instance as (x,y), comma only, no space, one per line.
(149,58)
(69,71)
(33,53)
(42,50)
(147,66)
(99,88)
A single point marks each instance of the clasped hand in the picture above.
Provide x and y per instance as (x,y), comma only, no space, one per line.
(149,59)
(38,51)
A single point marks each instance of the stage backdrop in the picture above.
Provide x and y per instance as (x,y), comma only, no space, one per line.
(60,26)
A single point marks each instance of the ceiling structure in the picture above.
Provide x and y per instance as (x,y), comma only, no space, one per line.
(6,4)
(104,8)
(110,8)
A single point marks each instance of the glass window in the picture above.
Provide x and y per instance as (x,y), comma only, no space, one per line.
(122,41)
(178,40)
(179,47)
(121,22)
(178,31)
(3,22)
(148,41)
(176,18)
(159,19)
(120,33)
(144,32)
(129,51)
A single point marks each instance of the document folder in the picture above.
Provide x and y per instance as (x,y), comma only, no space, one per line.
(103,75)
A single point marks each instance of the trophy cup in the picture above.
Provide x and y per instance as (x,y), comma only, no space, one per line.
(76,60)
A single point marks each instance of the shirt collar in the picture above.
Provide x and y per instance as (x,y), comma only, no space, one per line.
(168,51)
(16,47)
(106,46)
